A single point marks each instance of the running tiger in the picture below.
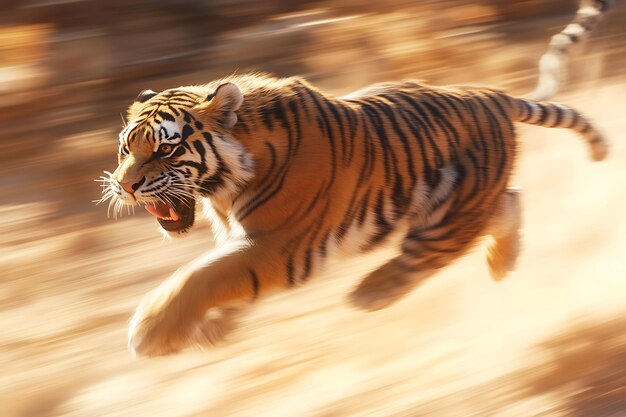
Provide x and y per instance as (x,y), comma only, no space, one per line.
(296,175)
(291,176)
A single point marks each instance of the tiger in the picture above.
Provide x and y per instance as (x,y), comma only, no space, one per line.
(291,177)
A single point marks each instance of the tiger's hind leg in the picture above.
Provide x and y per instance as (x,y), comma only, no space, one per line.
(386,285)
(504,229)
(424,252)
(418,261)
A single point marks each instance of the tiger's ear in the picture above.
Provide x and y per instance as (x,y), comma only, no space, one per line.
(136,106)
(224,102)
(145,95)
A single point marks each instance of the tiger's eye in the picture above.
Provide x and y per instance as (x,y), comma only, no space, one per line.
(165,148)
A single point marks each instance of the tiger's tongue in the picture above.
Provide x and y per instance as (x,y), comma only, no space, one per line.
(162,211)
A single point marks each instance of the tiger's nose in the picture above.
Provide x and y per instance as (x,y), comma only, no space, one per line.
(131,186)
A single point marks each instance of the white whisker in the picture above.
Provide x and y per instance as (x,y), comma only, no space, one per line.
(109,208)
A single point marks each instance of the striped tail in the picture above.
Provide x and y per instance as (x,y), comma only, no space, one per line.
(549,114)
(552,63)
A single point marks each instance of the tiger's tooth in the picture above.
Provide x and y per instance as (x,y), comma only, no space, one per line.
(174,215)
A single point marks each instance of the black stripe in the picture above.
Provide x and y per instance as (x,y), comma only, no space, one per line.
(348,216)
(273,187)
(364,207)
(339,122)
(575,117)
(417,136)
(188,117)
(324,125)
(323,248)
(369,151)
(586,128)
(270,171)
(528,111)
(265,113)
(496,136)
(259,200)
(424,120)
(558,116)
(482,147)
(166,116)
(544,114)
(506,118)
(291,279)
(300,91)
(403,139)
(349,115)
(187,131)
(377,124)
(441,121)
(307,262)
(383,227)
(475,167)
(293,106)
(200,167)
(255,284)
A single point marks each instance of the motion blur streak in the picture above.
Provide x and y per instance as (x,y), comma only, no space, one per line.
(548,341)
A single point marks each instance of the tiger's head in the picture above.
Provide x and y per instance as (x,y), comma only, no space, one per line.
(176,147)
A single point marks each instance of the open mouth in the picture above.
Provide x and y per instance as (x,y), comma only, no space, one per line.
(175,217)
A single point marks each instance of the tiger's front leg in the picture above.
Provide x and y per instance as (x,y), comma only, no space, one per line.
(174,315)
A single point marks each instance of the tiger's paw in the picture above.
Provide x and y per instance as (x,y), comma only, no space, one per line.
(155,333)
(159,335)
(502,256)
(381,288)
(503,250)
(163,321)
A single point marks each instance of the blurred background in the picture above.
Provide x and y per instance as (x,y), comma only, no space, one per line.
(549,341)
